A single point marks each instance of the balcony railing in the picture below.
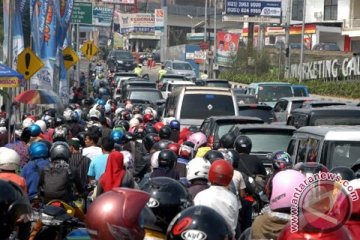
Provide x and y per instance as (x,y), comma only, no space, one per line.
(350,24)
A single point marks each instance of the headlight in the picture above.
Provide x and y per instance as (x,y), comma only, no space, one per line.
(121,62)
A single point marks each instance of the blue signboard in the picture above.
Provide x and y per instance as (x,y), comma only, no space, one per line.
(266,8)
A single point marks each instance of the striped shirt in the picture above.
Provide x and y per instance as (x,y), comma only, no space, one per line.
(80,163)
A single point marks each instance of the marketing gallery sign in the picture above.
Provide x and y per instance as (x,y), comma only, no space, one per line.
(327,69)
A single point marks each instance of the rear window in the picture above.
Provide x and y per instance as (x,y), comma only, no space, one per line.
(265,115)
(300,92)
(145,95)
(265,142)
(341,153)
(218,84)
(182,66)
(141,85)
(348,120)
(273,93)
(200,106)
(296,104)
(224,127)
(123,55)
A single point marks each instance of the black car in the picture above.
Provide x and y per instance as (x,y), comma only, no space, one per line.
(261,111)
(215,127)
(120,60)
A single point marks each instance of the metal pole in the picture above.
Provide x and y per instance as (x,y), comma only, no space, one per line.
(77,50)
(112,29)
(215,37)
(287,38)
(10,62)
(164,37)
(302,44)
(205,24)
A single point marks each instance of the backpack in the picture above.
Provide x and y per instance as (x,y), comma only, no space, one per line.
(57,182)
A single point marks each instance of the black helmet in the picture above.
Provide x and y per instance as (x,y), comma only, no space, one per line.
(58,121)
(125,124)
(160,145)
(60,151)
(168,198)
(167,158)
(149,128)
(235,157)
(200,221)
(81,137)
(344,172)
(13,204)
(243,144)
(128,136)
(165,132)
(227,140)
(149,140)
(139,132)
(213,155)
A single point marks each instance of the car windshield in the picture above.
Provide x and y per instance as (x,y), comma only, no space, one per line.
(201,106)
(342,153)
(123,55)
(272,93)
(182,66)
(218,84)
(151,96)
(263,114)
(340,120)
(266,142)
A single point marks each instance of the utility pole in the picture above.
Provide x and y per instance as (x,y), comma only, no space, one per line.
(164,36)
(287,37)
(215,38)
(302,44)
(206,17)
(10,62)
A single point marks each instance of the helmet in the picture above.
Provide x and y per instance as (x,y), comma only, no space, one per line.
(42,125)
(148,118)
(175,147)
(174,124)
(150,129)
(139,132)
(128,136)
(198,139)
(81,137)
(13,205)
(67,114)
(168,198)
(155,160)
(213,155)
(310,168)
(35,130)
(281,160)
(167,158)
(60,133)
(149,140)
(9,159)
(137,115)
(116,136)
(227,140)
(125,115)
(27,122)
(344,172)
(284,185)
(243,144)
(124,124)
(186,151)
(200,221)
(94,114)
(160,145)
(101,102)
(58,121)
(38,150)
(60,151)
(198,168)
(340,233)
(116,214)
(134,122)
(165,132)
(221,173)
(235,157)
(158,126)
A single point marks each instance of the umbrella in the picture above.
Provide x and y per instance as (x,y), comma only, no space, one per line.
(10,77)
(38,96)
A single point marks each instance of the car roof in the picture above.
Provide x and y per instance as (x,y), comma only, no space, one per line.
(299,99)
(173,75)
(270,83)
(219,118)
(216,80)
(318,101)
(179,82)
(267,126)
(338,132)
(329,108)
(177,61)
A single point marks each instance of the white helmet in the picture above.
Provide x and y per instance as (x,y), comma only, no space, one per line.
(9,159)
(198,168)
(67,114)
(128,106)
(155,160)
(118,111)
(107,108)
(134,122)
(128,160)
(138,116)
(94,113)
(27,122)
(41,124)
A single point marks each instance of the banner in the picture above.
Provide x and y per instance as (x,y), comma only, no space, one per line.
(137,22)
(102,16)
(226,47)
(159,21)
(266,8)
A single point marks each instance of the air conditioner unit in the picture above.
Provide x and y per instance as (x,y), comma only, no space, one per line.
(318,15)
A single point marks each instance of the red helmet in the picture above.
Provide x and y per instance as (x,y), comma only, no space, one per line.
(221,173)
(148,118)
(115,215)
(158,126)
(174,147)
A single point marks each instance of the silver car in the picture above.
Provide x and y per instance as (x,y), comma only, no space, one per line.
(180,68)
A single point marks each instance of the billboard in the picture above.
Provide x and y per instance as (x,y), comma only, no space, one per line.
(137,22)
(226,47)
(132,2)
(159,21)
(254,8)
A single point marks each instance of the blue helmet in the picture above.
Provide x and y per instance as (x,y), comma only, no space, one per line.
(101,102)
(117,136)
(35,130)
(281,160)
(175,124)
(38,150)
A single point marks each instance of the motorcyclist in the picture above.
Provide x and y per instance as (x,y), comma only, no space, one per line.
(270,224)
(199,140)
(197,175)
(175,130)
(217,196)
(138,70)
(167,160)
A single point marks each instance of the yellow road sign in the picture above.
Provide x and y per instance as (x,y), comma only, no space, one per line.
(28,63)
(70,57)
(89,49)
